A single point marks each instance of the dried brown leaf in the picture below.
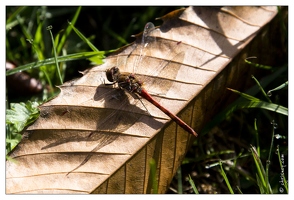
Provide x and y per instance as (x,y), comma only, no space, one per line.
(81,144)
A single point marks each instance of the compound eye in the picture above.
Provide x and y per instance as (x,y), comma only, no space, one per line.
(112,74)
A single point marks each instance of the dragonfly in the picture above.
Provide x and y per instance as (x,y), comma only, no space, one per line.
(130,83)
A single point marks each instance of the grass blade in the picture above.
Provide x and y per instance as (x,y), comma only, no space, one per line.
(55,54)
(258,65)
(67,31)
(226,178)
(261,175)
(180,185)
(193,185)
(244,95)
(49,61)
(263,105)
(285,183)
(153,176)
(269,93)
(14,14)
(262,90)
(257,138)
(83,38)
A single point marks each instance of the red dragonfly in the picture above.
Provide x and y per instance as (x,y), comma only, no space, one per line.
(130,83)
(134,86)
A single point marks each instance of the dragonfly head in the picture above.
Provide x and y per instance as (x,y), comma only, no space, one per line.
(112,74)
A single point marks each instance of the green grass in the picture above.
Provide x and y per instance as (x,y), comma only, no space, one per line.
(51,70)
(243,149)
